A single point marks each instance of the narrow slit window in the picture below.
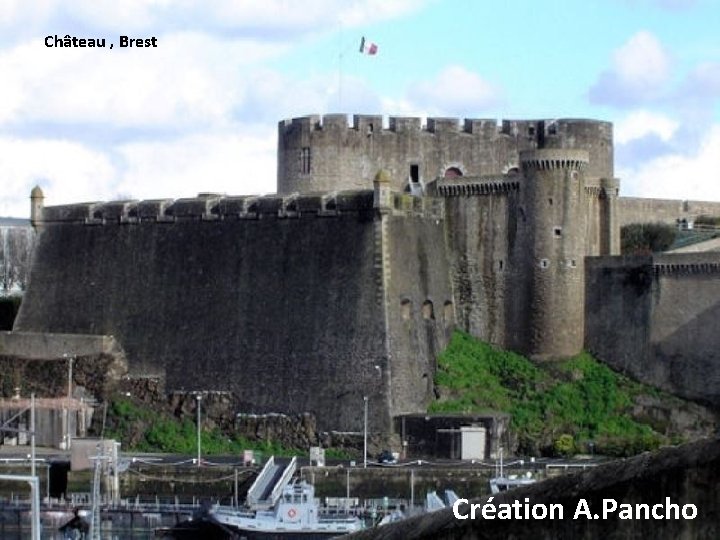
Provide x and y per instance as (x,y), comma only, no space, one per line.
(305,160)
(414,173)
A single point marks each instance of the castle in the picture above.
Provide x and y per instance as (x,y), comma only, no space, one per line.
(380,241)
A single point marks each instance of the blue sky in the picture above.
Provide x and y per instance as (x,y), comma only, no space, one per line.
(200,111)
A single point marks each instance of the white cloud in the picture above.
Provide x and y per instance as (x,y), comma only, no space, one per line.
(268,20)
(702,85)
(641,62)
(191,79)
(639,73)
(271,93)
(237,162)
(455,90)
(70,171)
(640,124)
(240,161)
(679,176)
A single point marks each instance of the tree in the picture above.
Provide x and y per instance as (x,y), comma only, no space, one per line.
(646,238)
(16,244)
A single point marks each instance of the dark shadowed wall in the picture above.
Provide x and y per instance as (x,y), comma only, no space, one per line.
(420,309)
(656,318)
(293,304)
(283,312)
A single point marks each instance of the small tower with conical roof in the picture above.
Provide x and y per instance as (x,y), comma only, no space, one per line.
(37,202)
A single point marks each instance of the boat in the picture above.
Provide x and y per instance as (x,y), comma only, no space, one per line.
(500,482)
(296,515)
(505,483)
(277,508)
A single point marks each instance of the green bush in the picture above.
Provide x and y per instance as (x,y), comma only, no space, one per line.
(564,445)
(646,238)
(579,397)
(145,430)
(711,221)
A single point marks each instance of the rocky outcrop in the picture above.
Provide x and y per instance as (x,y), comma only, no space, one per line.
(95,376)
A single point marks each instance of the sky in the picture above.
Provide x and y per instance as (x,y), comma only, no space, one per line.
(199,112)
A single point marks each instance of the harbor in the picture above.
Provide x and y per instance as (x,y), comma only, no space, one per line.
(158,492)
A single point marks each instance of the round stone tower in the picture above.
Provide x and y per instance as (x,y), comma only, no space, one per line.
(554,204)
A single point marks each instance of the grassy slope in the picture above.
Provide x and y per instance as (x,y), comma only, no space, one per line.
(143,429)
(580,398)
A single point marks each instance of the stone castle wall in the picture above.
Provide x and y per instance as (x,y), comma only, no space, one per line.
(325,153)
(484,246)
(279,300)
(316,299)
(420,311)
(639,210)
(655,318)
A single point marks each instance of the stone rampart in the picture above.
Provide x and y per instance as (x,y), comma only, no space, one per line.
(280,300)
(639,210)
(45,346)
(220,207)
(655,318)
(420,313)
(489,284)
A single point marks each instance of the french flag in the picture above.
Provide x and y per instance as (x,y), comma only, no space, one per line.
(367,47)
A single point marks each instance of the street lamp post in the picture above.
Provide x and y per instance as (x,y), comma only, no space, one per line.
(198,397)
(69,397)
(66,407)
(365,430)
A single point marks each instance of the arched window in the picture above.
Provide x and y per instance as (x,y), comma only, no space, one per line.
(448,312)
(427,310)
(406,310)
(453,172)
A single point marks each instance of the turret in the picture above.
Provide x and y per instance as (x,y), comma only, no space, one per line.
(37,202)
(554,204)
(382,197)
(609,225)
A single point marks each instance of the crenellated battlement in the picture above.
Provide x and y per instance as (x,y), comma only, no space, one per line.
(687,269)
(213,207)
(680,264)
(371,123)
(551,158)
(476,186)
(336,151)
